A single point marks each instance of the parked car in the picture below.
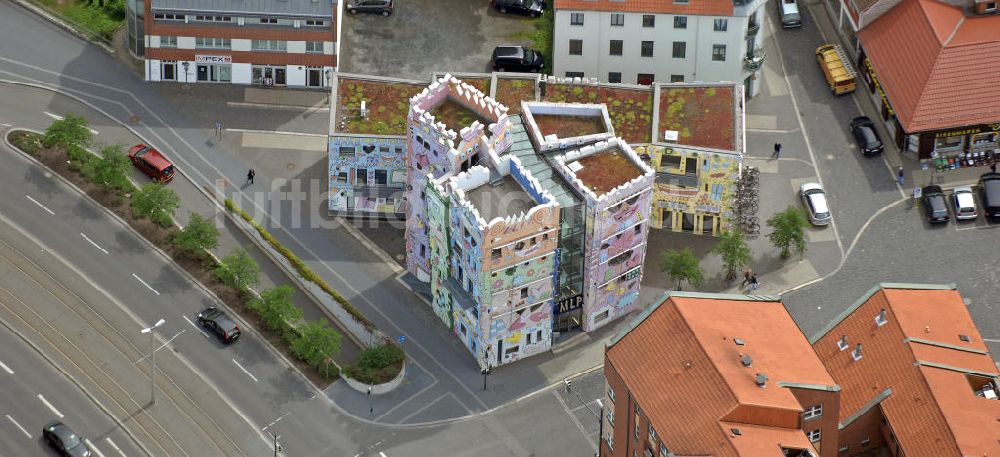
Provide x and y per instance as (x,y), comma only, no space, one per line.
(866,135)
(935,205)
(220,324)
(61,438)
(152,163)
(989,193)
(965,203)
(517,58)
(533,8)
(814,198)
(789,14)
(383,7)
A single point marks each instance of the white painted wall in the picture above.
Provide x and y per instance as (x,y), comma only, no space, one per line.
(295,75)
(241,73)
(185,42)
(152,70)
(297,47)
(152,41)
(240,44)
(329,47)
(700,36)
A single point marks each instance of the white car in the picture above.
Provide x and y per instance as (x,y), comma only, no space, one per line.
(965,203)
(815,200)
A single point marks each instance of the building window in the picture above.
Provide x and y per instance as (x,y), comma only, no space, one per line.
(648,20)
(574,74)
(843,449)
(719,52)
(602,316)
(652,434)
(866,441)
(495,255)
(576,47)
(617,19)
(676,78)
(636,426)
(680,49)
(611,394)
(346,151)
(342,177)
(614,77)
(575,18)
(168,17)
(615,48)
(315,23)
(647,49)
(611,441)
(721,25)
(168,42)
(680,22)
(814,436)
(381,178)
(269,45)
(314,47)
(268,20)
(681,2)
(644,78)
(213,18)
(524,292)
(813,412)
(212,43)
(361,177)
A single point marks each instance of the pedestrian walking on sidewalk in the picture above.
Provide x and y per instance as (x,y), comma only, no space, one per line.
(993,167)
(250,175)
(753,283)
(899,175)
(777,150)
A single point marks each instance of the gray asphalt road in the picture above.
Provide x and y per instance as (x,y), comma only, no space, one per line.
(33,393)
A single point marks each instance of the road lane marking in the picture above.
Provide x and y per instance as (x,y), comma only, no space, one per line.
(115,446)
(381,454)
(40,205)
(93,243)
(144,283)
(6,368)
(59,118)
(93,448)
(53,408)
(18,426)
(245,371)
(165,343)
(275,421)
(195,327)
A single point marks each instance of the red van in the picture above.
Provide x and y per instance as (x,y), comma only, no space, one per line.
(151,162)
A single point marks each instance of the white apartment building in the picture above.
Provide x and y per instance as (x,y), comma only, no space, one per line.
(643,41)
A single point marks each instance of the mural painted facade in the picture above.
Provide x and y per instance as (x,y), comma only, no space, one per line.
(367,175)
(617,226)
(694,188)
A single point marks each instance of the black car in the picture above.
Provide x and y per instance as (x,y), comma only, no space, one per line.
(220,324)
(517,58)
(935,205)
(866,135)
(383,7)
(59,437)
(989,193)
(533,8)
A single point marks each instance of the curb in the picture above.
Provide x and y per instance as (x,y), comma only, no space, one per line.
(376,389)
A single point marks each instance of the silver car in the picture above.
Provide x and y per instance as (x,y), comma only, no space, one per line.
(815,200)
(965,203)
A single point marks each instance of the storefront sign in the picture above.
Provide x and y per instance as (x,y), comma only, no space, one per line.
(569,304)
(962,132)
(703,208)
(871,74)
(199,58)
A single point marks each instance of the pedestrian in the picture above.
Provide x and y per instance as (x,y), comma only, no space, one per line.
(777,150)
(250,175)
(753,282)
(899,175)
(993,167)
(746,277)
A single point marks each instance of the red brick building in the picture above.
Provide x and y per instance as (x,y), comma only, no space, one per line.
(720,375)
(916,375)
(291,43)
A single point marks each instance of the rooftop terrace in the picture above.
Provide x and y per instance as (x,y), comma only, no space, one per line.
(703,116)
(506,198)
(605,170)
(456,116)
(387,104)
(564,126)
(630,109)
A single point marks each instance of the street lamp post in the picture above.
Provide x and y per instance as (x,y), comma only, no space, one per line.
(486,367)
(277,444)
(186,65)
(152,359)
(371,409)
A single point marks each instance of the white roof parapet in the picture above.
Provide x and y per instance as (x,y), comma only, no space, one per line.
(612,194)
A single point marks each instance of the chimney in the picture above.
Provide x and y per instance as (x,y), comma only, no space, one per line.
(856,354)
(746,361)
(880,318)
(760,379)
(842,344)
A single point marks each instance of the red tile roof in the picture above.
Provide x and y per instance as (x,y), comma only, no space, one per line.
(937,65)
(704,7)
(932,409)
(682,356)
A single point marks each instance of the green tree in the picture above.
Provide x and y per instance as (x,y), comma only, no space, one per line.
(276,309)
(316,341)
(734,251)
(682,265)
(788,230)
(110,170)
(157,202)
(68,131)
(238,270)
(197,236)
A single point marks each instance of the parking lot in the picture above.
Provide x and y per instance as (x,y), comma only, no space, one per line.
(426,36)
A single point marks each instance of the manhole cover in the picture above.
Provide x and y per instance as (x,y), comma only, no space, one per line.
(134,119)
(290,166)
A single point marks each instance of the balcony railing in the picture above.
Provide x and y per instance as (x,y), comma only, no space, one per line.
(754,60)
(752,29)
